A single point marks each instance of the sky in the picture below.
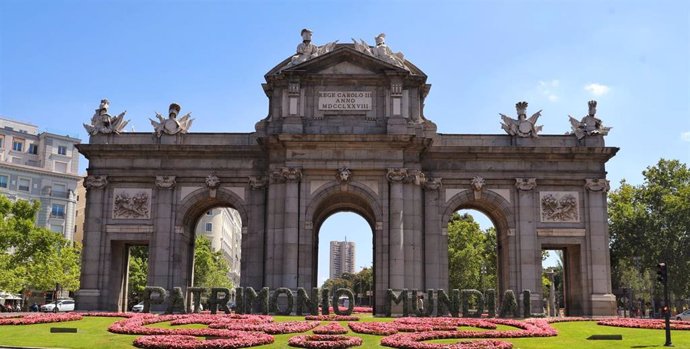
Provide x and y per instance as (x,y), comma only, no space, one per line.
(58,59)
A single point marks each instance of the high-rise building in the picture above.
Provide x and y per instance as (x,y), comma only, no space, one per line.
(43,167)
(342,258)
(223,226)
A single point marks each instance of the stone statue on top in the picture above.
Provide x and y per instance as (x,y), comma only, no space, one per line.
(381,51)
(589,125)
(523,126)
(102,122)
(306,50)
(172,125)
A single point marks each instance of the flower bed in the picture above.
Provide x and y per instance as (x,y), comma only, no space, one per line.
(414,341)
(331,317)
(654,324)
(330,328)
(31,319)
(324,341)
(238,339)
(422,329)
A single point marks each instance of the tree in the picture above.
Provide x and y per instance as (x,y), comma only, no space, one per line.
(138,271)
(210,268)
(652,221)
(33,257)
(469,251)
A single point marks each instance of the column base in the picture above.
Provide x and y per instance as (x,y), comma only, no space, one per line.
(603,304)
(88,299)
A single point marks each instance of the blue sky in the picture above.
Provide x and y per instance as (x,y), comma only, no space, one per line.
(59,58)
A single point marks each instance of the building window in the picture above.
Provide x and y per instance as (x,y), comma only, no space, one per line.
(59,190)
(209,226)
(62,150)
(58,211)
(2,142)
(18,144)
(24,184)
(56,228)
(33,148)
(3,181)
(60,167)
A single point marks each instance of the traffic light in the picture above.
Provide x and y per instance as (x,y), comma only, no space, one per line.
(661,273)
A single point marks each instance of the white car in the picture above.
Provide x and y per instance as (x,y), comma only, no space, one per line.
(685,316)
(62,305)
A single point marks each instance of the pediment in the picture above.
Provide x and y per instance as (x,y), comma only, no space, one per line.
(344,60)
(346,68)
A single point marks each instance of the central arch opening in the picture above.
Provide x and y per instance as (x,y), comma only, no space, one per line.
(350,211)
(345,250)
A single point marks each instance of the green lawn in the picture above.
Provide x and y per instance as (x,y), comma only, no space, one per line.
(92,334)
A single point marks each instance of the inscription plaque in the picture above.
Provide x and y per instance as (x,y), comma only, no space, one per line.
(344,100)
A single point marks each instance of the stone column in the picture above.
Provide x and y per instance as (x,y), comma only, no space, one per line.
(529,253)
(435,242)
(413,231)
(275,212)
(253,253)
(88,296)
(161,268)
(292,177)
(603,302)
(396,227)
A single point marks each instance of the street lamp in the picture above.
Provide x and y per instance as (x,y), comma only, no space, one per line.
(482,273)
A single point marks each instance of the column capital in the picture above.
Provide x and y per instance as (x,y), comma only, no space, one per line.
(597,184)
(287,174)
(433,183)
(396,174)
(95,182)
(257,182)
(525,184)
(165,182)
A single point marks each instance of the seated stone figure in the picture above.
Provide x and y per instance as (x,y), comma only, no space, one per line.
(589,125)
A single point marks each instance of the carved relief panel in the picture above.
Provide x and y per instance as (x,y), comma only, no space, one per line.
(131,203)
(559,206)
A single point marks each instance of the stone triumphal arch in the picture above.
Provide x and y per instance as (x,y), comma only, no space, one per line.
(346,131)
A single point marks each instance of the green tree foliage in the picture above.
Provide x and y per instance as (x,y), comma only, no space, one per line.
(469,250)
(33,257)
(138,271)
(652,222)
(359,283)
(210,268)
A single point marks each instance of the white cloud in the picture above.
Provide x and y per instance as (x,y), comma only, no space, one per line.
(685,136)
(547,88)
(597,89)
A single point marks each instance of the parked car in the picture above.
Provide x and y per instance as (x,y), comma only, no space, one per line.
(138,308)
(62,305)
(685,316)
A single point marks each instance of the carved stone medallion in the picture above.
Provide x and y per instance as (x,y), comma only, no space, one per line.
(343,175)
(131,203)
(212,182)
(559,206)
